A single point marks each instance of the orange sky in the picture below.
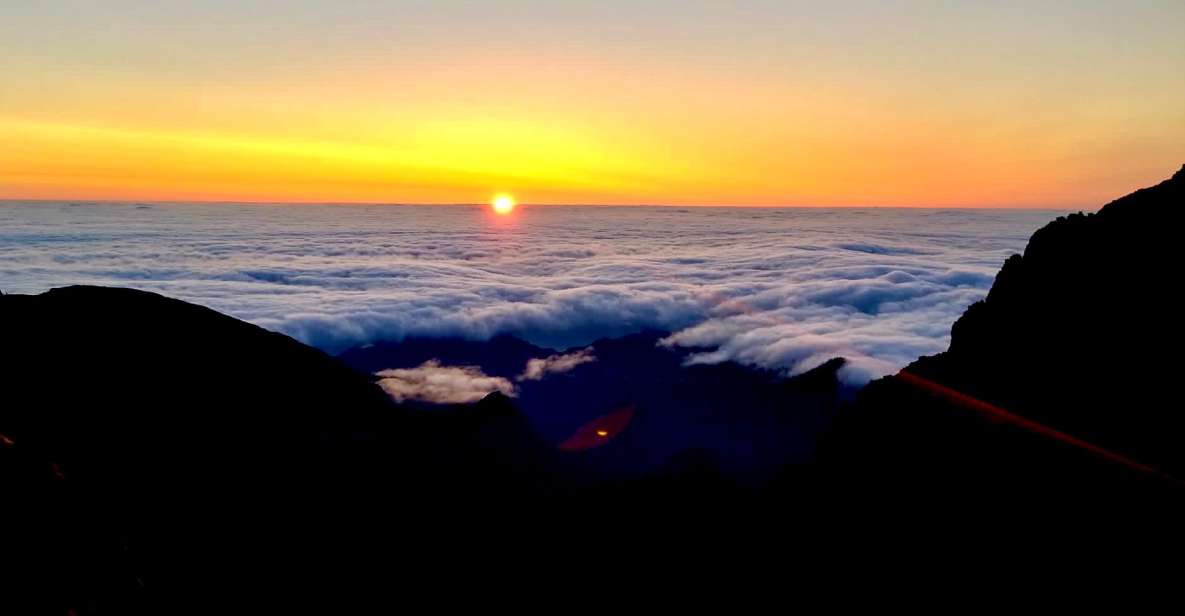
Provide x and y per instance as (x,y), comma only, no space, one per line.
(779,103)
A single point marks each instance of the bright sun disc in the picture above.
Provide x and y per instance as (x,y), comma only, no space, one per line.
(503,204)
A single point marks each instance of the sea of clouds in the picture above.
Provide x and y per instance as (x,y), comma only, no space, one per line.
(779,288)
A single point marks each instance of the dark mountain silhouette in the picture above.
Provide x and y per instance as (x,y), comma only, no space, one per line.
(1060,384)
(70,351)
(145,442)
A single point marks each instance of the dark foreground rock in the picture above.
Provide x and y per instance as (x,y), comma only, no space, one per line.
(156,455)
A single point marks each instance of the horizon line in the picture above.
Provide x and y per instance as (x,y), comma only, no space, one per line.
(81,201)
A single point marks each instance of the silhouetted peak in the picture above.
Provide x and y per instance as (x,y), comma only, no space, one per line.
(829,367)
(495,399)
(495,406)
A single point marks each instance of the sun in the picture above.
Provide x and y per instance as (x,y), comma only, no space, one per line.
(503,204)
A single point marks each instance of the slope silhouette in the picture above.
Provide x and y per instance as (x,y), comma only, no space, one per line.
(154,450)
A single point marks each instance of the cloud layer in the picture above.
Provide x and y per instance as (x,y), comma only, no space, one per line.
(784,288)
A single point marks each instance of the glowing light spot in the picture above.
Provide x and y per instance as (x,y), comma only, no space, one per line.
(503,204)
(599,432)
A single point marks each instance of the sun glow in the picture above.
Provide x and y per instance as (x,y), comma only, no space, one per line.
(570,106)
(503,204)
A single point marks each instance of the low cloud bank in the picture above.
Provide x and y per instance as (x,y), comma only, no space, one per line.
(778,288)
(538,368)
(439,384)
(432,382)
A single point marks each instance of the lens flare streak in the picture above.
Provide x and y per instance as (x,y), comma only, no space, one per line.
(996,413)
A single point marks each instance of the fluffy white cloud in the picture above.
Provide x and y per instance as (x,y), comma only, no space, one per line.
(783,288)
(432,382)
(537,368)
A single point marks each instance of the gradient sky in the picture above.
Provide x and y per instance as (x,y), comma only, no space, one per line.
(1034,103)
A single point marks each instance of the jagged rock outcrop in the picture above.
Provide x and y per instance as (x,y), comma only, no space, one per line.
(1064,377)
